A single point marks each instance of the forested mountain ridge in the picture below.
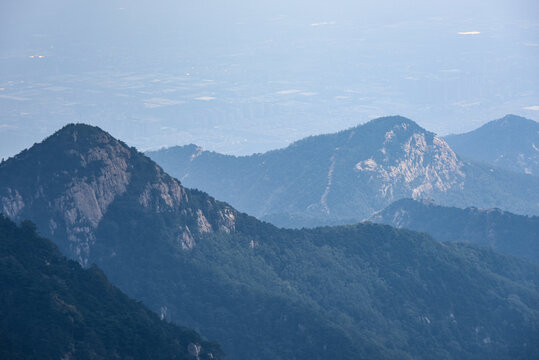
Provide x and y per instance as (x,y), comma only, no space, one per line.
(344,177)
(361,291)
(51,308)
(502,231)
(511,143)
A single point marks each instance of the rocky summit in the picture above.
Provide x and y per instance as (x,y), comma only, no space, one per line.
(411,160)
(69,181)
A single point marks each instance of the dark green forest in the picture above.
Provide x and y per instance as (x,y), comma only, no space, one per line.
(51,308)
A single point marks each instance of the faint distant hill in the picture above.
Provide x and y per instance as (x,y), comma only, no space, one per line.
(511,143)
(500,230)
(346,176)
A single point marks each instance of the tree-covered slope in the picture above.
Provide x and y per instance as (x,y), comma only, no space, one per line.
(51,308)
(346,176)
(500,230)
(511,143)
(362,291)
(414,297)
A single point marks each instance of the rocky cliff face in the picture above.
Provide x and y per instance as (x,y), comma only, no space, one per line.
(418,162)
(77,173)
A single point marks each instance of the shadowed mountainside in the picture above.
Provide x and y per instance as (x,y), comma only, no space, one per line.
(502,231)
(54,309)
(511,143)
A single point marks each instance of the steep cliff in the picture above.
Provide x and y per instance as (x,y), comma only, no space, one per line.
(77,173)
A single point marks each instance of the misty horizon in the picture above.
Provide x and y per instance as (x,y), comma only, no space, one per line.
(241,79)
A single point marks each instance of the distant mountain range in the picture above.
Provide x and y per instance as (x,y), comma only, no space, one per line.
(344,177)
(361,291)
(53,309)
(500,230)
(511,143)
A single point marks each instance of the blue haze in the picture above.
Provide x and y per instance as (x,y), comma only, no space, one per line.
(242,78)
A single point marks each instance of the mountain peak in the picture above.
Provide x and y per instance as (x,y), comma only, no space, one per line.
(511,120)
(512,117)
(390,122)
(510,143)
(71,127)
(80,171)
(84,134)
